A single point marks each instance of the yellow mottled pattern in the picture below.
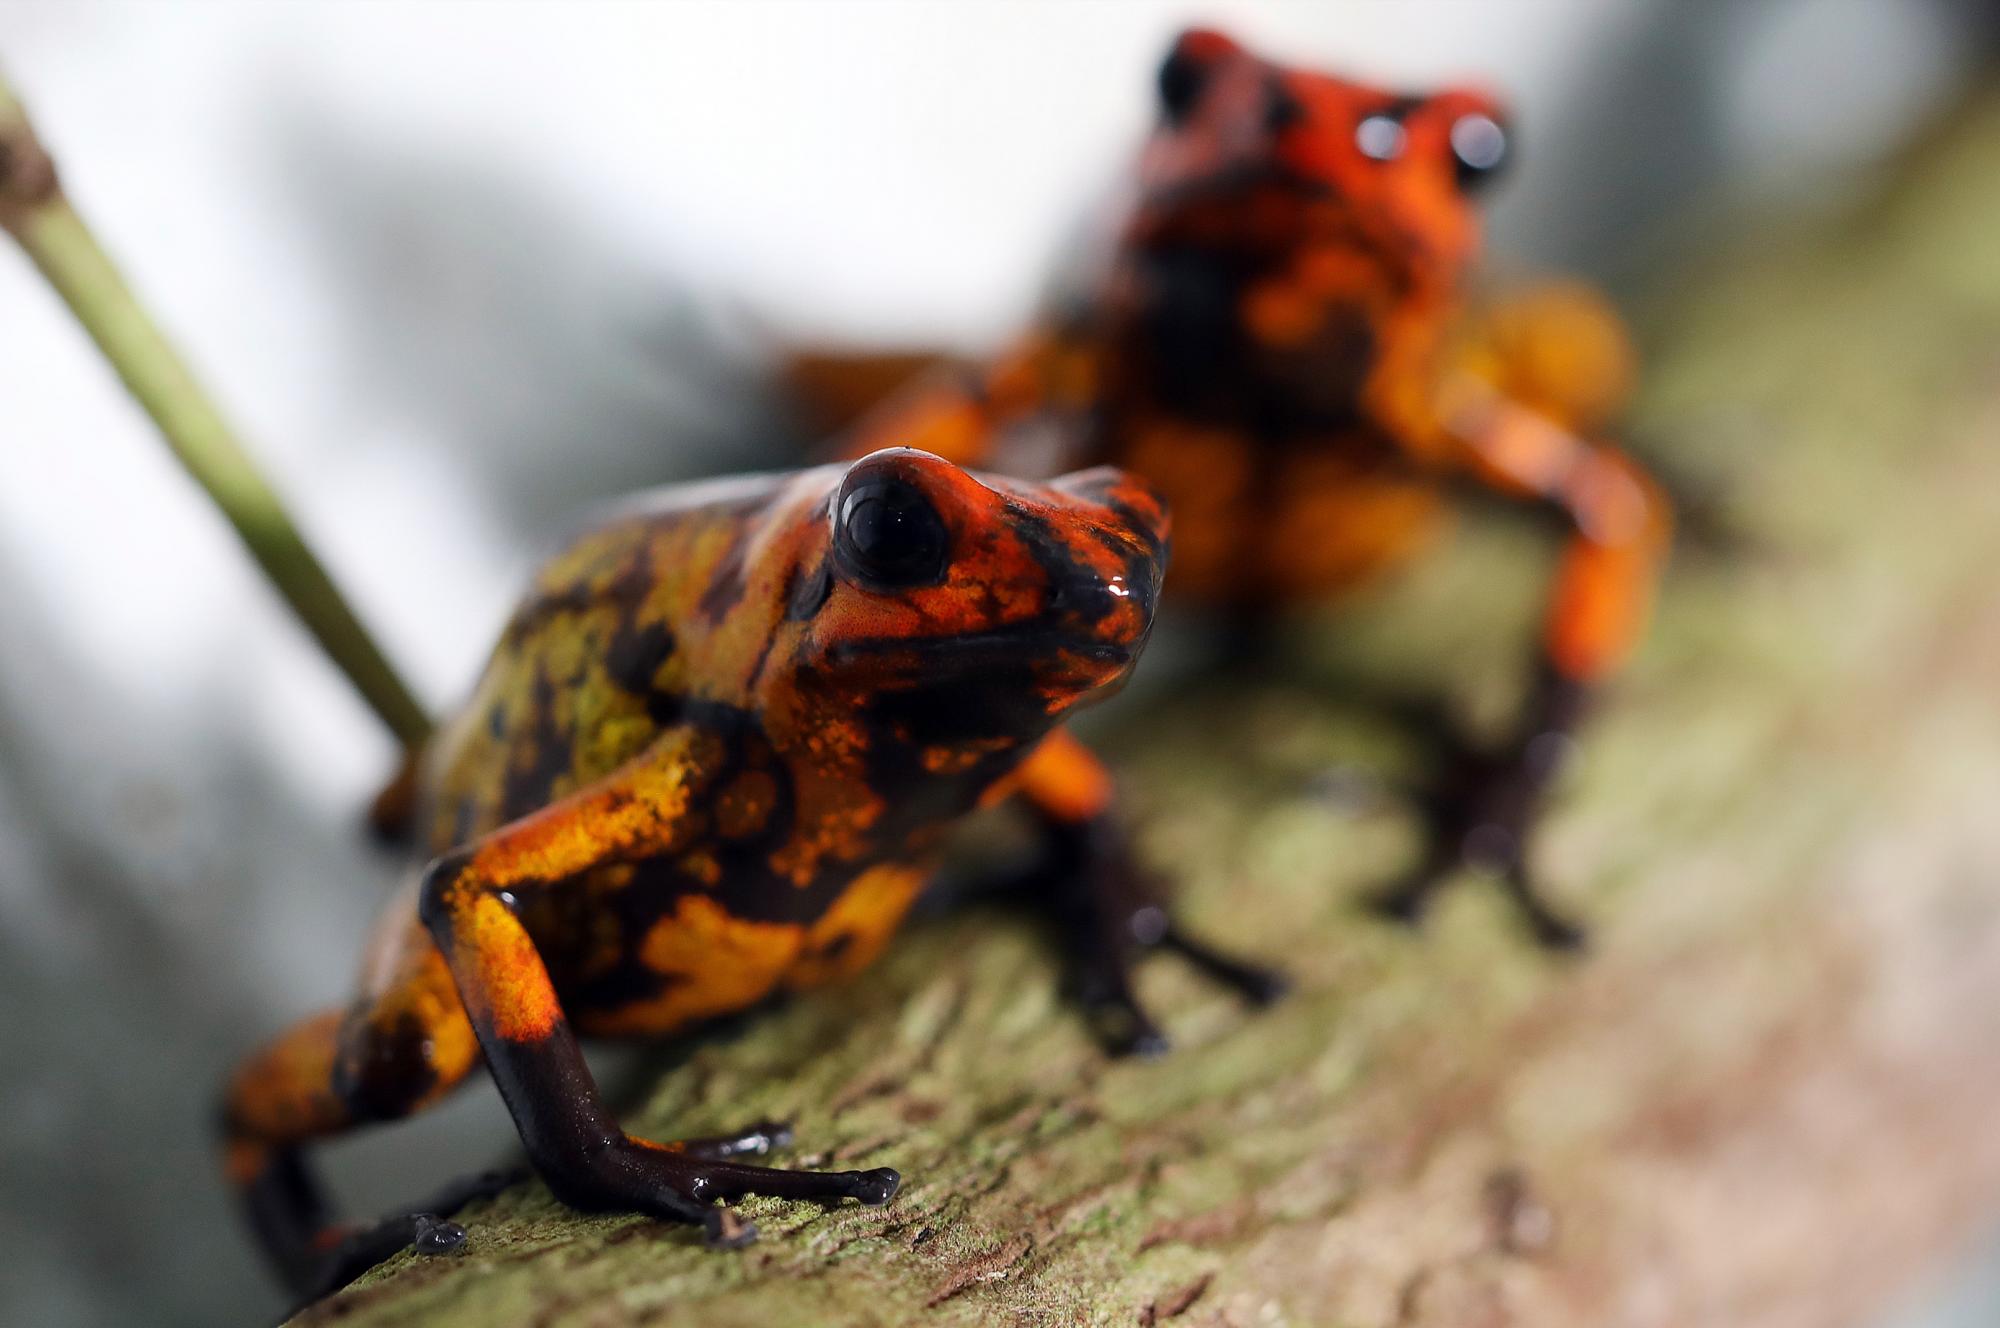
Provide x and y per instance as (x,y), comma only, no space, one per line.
(850,935)
(714,963)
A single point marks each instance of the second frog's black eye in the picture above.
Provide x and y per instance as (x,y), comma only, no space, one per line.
(891,534)
(1478,149)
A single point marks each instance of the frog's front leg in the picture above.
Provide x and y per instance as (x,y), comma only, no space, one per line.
(1619,525)
(469,902)
(1107,908)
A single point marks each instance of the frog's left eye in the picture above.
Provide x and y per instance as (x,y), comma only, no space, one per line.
(1380,137)
(1478,148)
(890,534)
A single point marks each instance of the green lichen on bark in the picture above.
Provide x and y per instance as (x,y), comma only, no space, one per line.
(1764,1097)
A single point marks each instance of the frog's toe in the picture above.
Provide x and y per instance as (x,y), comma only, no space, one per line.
(1560,935)
(877,1186)
(1551,930)
(674,1184)
(1255,983)
(434,1235)
(1403,902)
(1116,1020)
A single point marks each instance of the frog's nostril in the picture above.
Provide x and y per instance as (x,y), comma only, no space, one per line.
(1086,600)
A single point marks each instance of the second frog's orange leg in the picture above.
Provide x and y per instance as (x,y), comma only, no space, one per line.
(1107,909)
(833,388)
(1619,527)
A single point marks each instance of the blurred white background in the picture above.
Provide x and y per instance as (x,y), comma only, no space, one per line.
(456,270)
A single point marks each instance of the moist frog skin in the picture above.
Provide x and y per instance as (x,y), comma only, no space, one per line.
(713,757)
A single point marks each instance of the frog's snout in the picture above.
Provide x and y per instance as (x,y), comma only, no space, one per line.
(1104,580)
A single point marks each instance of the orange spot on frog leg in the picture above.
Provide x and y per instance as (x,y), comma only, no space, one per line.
(509,989)
(1064,780)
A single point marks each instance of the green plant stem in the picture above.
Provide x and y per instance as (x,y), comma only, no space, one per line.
(35,212)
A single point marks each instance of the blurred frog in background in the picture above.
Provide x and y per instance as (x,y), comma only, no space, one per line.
(1282,341)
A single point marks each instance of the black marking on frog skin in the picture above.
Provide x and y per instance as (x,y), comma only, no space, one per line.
(533,616)
(834,947)
(1195,358)
(809,592)
(1141,530)
(1316,387)
(629,912)
(1188,335)
(1075,590)
(1281,109)
(380,1074)
(633,656)
(959,712)
(547,749)
(1399,109)
(747,886)
(728,583)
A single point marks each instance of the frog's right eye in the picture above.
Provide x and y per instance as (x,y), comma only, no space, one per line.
(1185,72)
(1478,149)
(889,533)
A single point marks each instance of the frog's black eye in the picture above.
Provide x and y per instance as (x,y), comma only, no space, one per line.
(890,534)
(1478,148)
(1183,74)
(1380,137)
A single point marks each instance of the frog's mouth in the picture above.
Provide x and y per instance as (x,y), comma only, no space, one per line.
(1032,663)
(1030,647)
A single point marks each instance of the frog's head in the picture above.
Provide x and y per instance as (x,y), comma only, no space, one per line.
(982,609)
(1258,159)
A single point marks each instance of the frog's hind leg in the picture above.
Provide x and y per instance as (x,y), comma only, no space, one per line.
(392,814)
(392,1054)
(278,1099)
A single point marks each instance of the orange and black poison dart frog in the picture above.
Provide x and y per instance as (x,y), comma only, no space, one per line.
(711,759)
(1277,342)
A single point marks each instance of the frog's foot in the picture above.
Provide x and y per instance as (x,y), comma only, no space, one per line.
(1480,822)
(682,1182)
(1106,910)
(346,1252)
(1407,899)
(750,1141)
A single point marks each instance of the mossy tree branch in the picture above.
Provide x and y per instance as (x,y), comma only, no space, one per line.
(35,211)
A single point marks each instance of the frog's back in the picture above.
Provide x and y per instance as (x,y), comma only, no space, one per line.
(590,668)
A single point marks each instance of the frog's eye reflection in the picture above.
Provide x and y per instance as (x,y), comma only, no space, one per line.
(1380,138)
(1478,145)
(891,534)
